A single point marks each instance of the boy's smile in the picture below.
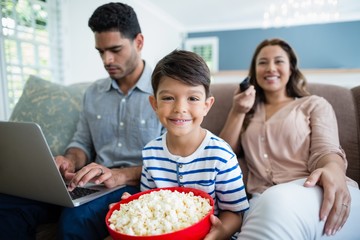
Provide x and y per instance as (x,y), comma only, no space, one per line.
(180,121)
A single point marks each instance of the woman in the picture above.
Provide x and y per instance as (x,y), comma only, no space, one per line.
(290,143)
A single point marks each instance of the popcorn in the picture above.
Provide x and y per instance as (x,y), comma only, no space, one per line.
(159,212)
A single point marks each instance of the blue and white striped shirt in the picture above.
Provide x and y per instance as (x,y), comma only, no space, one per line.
(212,168)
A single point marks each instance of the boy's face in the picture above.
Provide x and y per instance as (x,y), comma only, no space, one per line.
(180,108)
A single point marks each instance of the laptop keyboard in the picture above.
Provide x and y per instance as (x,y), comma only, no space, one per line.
(79,192)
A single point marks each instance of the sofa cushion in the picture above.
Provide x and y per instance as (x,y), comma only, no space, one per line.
(356,93)
(54,107)
(216,117)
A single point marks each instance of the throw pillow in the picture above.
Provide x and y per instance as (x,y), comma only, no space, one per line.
(54,107)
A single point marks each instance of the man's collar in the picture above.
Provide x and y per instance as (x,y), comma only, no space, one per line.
(144,82)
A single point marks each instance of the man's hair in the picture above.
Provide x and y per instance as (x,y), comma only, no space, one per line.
(115,17)
(184,66)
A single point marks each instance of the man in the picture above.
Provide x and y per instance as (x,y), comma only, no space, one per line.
(115,123)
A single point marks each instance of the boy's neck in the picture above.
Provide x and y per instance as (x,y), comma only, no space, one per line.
(185,145)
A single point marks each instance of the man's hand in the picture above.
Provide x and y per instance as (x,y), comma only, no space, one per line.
(92,172)
(75,158)
(66,167)
(99,174)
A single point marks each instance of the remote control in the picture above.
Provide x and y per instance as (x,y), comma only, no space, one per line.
(245,84)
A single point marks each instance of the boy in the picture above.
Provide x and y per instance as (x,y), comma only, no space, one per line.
(188,155)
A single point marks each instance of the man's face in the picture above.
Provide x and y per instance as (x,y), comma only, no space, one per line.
(120,55)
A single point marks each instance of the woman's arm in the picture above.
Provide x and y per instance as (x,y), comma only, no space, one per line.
(328,164)
(232,128)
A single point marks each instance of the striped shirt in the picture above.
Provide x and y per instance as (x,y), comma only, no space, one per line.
(212,168)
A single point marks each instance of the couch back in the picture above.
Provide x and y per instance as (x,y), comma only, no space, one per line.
(346,104)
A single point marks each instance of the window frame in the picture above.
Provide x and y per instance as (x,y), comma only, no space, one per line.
(54,44)
(190,43)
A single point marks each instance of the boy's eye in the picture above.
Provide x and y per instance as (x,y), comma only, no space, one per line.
(194,99)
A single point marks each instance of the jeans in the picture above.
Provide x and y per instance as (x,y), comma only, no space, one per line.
(20,217)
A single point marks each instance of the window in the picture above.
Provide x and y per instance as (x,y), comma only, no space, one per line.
(28,45)
(207,48)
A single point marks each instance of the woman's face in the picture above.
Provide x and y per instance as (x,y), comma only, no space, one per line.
(273,69)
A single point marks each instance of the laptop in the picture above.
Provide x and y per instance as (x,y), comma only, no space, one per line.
(28,169)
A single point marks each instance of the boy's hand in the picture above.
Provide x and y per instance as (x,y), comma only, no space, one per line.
(124,196)
(216,229)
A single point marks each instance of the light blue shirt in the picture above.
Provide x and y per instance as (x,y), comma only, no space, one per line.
(113,127)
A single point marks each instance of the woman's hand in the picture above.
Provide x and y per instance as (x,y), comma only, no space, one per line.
(335,208)
(243,101)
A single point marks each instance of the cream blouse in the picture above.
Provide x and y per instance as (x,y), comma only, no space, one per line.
(288,145)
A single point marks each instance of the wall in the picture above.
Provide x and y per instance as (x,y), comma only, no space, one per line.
(322,46)
(81,60)
(332,45)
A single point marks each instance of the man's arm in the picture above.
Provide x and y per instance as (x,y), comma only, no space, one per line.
(129,176)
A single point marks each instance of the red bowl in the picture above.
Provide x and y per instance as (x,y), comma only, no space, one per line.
(196,231)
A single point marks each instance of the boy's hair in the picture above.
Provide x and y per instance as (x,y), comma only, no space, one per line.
(115,17)
(184,66)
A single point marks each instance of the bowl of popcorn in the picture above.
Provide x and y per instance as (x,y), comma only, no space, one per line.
(162,214)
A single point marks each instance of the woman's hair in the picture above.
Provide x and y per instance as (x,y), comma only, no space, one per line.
(184,66)
(115,17)
(296,86)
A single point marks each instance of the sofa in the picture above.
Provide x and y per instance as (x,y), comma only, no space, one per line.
(56,107)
